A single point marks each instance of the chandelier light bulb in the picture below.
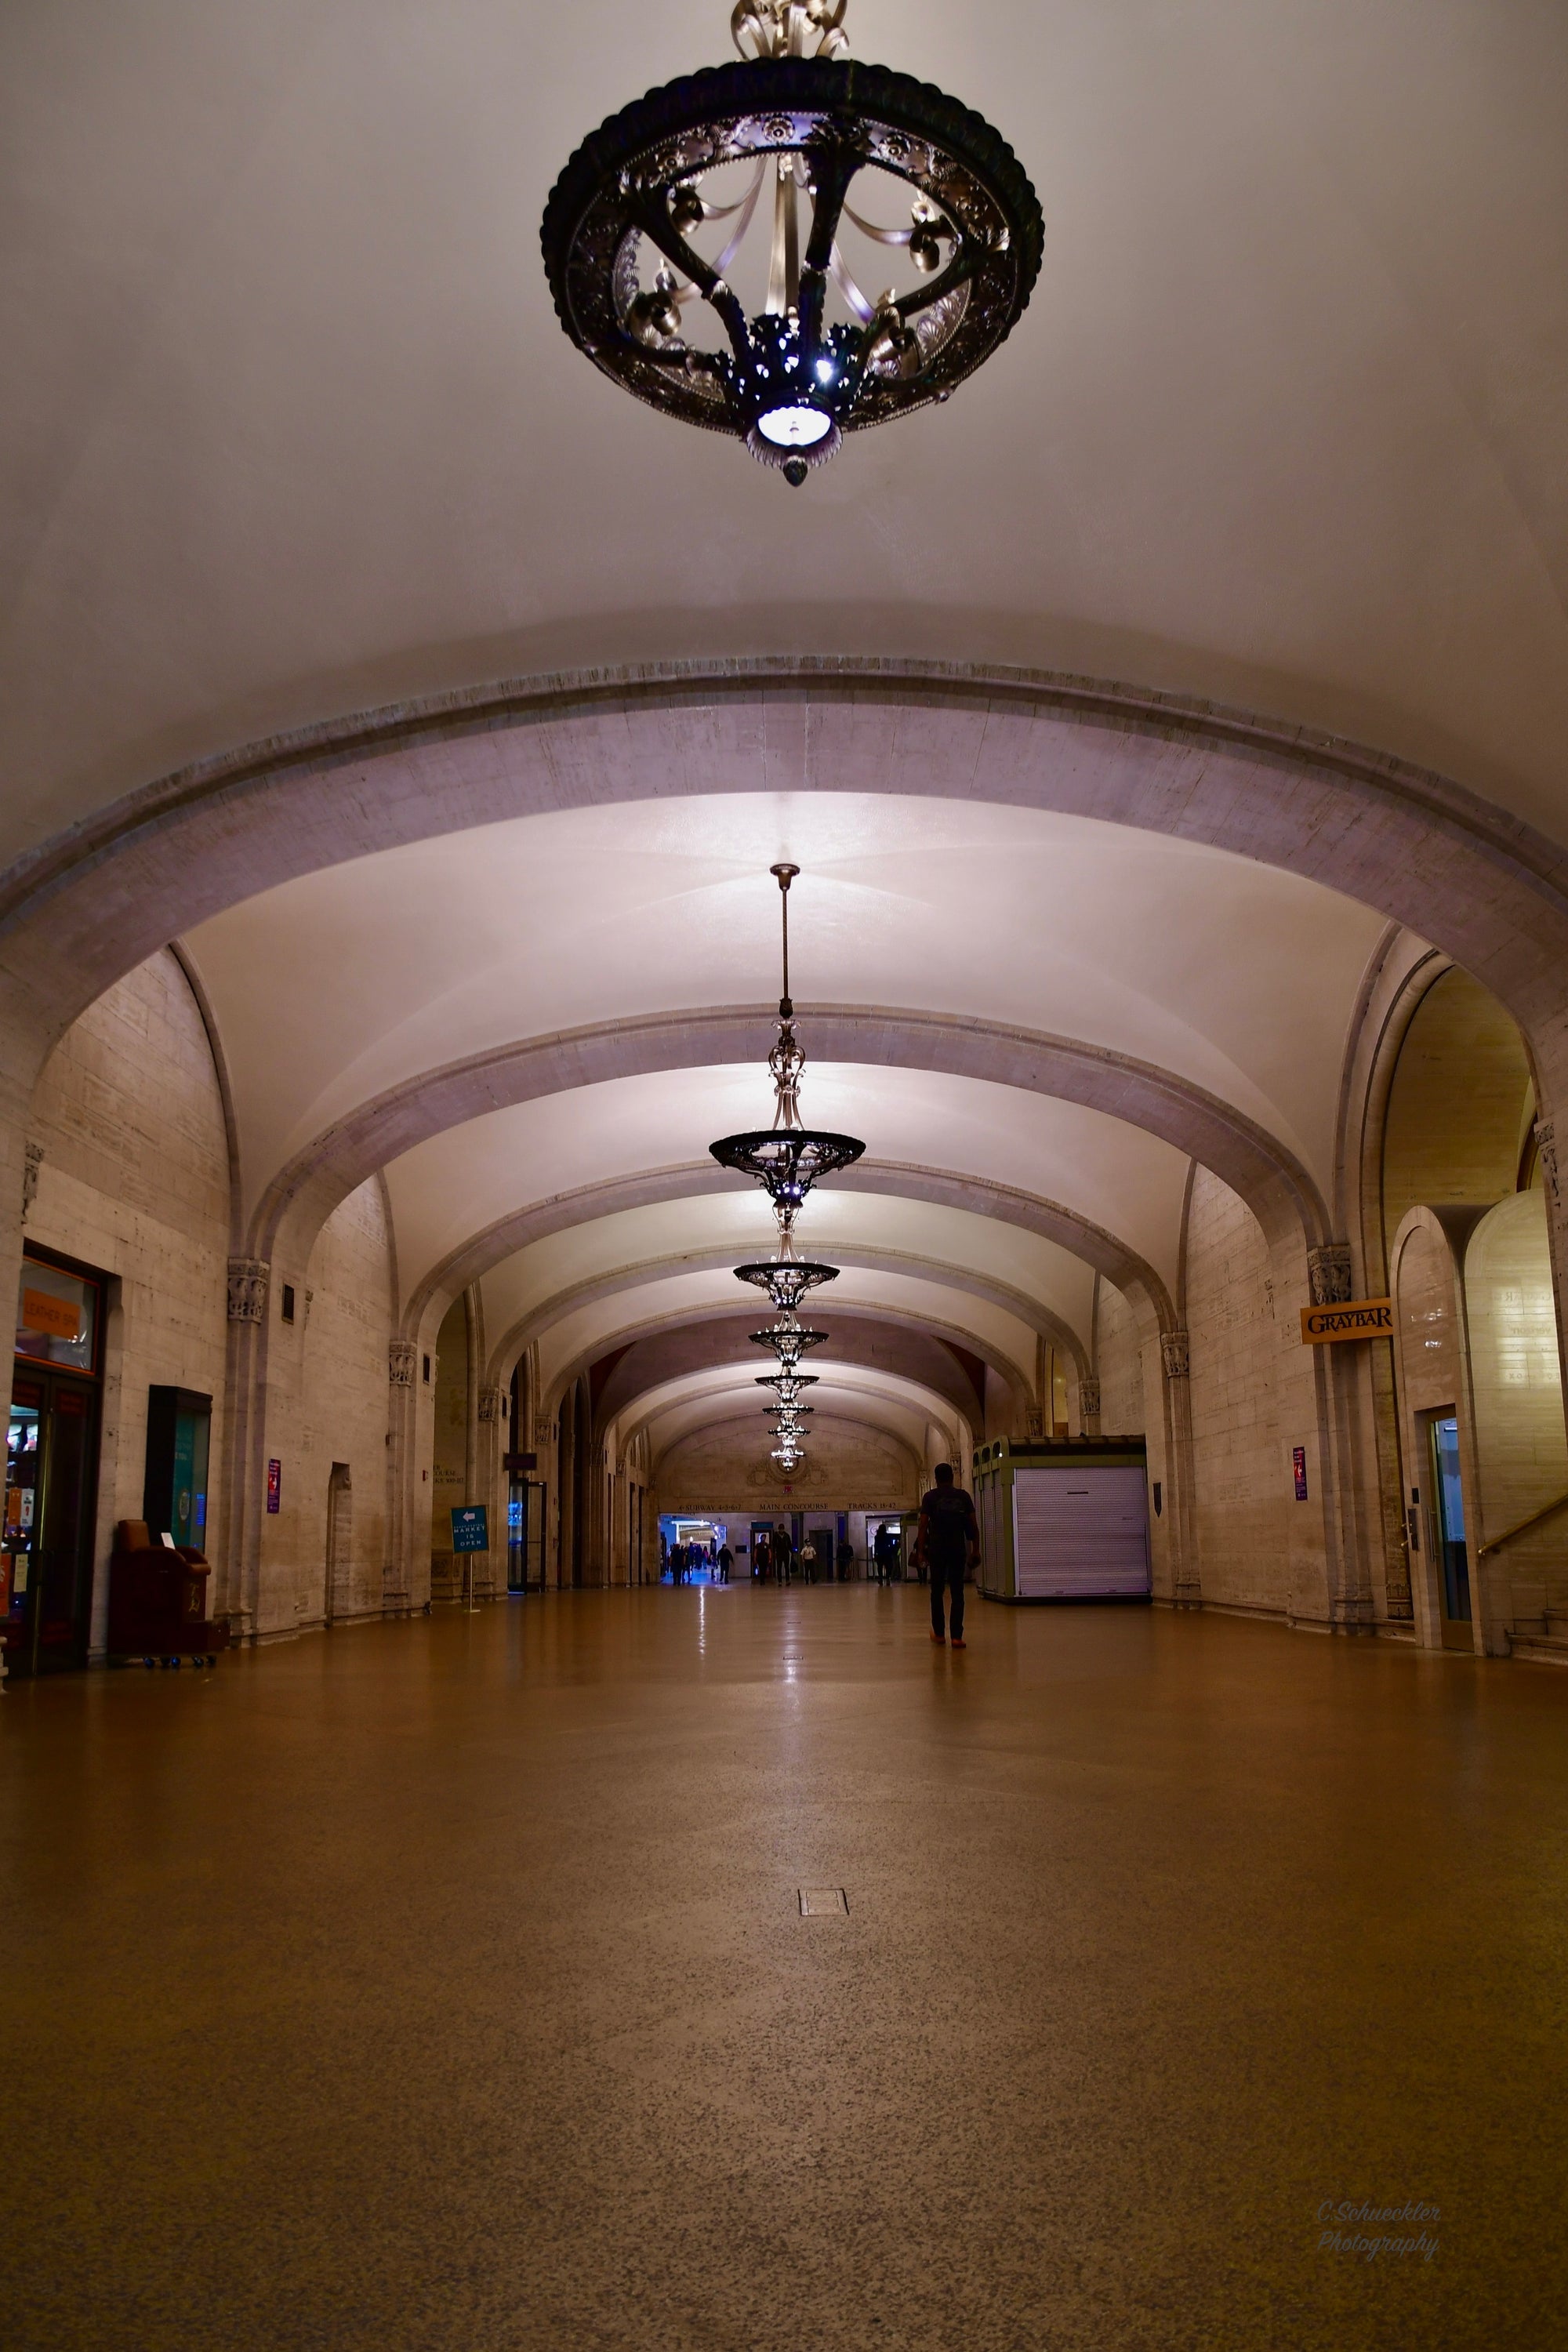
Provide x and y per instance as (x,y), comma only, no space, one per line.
(796,428)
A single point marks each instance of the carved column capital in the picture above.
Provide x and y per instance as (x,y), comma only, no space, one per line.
(1328,1274)
(32,1161)
(401,1356)
(1546,1150)
(489,1404)
(247,1279)
(1088,1397)
(1175,1354)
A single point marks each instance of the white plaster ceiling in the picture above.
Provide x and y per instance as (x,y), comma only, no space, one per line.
(288,426)
(1234,975)
(462,1181)
(625,1249)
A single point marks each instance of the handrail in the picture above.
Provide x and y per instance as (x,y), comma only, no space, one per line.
(1523,1528)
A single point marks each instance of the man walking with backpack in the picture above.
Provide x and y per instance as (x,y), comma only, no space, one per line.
(947,1541)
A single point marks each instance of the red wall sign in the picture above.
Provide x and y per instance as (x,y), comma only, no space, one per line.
(274,1486)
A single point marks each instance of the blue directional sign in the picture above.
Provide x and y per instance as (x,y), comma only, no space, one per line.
(470,1532)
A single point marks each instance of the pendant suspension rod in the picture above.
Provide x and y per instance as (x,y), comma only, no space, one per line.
(785,874)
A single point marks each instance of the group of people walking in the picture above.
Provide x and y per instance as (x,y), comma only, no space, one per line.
(685,1559)
(774,1559)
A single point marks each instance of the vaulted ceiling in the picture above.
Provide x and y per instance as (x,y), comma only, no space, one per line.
(289,432)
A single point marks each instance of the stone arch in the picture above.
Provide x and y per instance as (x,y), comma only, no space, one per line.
(577,1368)
(632,1277)
(1049,1219)
(88,905)
(1279,1189)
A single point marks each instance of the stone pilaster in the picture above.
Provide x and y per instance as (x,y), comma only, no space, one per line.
(1176,1364)
(33,1161)
(244,1445)
(402,1406)
(491,1490)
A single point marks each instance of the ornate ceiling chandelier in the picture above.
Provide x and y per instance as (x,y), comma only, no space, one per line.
(788,1341)
(647,247)
(786,1159)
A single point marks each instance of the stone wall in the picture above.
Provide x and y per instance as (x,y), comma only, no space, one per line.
(449,1453)
(1118,1360)
(1521,1454)
(328,1402)
(847,1469)
(135,1181)
(345,1418)
(1241,1461)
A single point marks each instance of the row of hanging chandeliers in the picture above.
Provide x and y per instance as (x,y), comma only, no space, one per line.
(786,1159)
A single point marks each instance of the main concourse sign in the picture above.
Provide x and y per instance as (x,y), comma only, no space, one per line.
(1352,1318)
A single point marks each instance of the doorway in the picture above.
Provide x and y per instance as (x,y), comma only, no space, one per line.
(51,1469)
(1449,1538)
(51,1462)
(525,1536)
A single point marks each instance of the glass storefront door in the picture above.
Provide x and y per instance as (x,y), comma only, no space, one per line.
(1449,1526)
(52,1468)
(51,1459)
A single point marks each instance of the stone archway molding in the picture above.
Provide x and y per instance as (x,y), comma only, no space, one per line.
(1267,1175)
(578,1367)
(863,1342)
(893,1179)
(620,1280)
(81,909)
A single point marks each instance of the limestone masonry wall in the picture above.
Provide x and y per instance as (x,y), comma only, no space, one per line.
(846,1469)
(345,1417)
(1118,1360)
(135,1181)
(1240,1458)
(327,1402)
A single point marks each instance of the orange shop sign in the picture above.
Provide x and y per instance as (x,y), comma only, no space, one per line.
(42,1310)
(1352,1318)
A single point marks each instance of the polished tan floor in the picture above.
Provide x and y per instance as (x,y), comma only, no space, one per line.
(444,1986)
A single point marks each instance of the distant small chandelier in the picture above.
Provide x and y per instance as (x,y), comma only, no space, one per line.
(786,1278)
(788,1340)
(820,358)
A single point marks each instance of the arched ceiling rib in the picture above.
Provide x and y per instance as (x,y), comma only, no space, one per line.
(889,1399)
(467,1178)
(1014,1269)
(863,1345)
(587,1332)
(972,1196)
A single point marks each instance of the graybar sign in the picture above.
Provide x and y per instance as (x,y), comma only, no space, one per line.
(1352,1318)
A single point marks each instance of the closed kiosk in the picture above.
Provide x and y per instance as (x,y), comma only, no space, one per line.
(1063,1519)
